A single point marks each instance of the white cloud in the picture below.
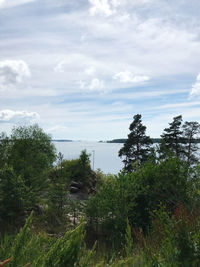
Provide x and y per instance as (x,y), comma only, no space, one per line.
(1,2)
(76,64)
(195,91)
(110,7)
(100,7)
(9,3)
(117,3)
(82,84)
(11,116)
(128,77)
(60,67)
(13,71)
(90,71)
(142,2)
(177,105)
(94,85)
(160,41)
(57,128)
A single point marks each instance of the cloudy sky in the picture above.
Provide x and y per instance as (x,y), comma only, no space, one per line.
(82,69)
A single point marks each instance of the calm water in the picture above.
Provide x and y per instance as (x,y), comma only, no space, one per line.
(103,155)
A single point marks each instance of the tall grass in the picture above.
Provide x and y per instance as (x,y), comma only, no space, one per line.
(172,241)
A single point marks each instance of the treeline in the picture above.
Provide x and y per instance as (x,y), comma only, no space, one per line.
(154,140)
(177,141)
(147,215)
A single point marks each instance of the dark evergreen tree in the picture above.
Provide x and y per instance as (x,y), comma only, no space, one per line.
(172,143)
(190,131)
(137,148)
(84,165)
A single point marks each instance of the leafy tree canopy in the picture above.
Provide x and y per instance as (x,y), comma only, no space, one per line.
(30,153)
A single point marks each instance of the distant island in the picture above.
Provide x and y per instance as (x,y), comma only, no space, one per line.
(154,140)
(123,140)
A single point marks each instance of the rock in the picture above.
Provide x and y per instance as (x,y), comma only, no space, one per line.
(73,189)
(76,184)
(91,190)
(78,196)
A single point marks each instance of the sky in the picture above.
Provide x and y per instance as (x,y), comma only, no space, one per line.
(82,69)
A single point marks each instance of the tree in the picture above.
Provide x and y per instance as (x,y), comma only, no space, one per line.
(172,143)
(108,209)
(84,158)
(78,170)
(30,153)
(137,147)
(136,195)
(190,130)
(84,165)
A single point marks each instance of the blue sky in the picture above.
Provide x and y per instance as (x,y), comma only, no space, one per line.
(82,69)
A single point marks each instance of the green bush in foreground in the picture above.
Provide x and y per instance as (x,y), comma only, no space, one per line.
(171,241)
(43,251)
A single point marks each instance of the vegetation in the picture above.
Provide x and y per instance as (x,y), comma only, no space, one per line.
(191,129)
(122,140)
(147,215)
(137,147)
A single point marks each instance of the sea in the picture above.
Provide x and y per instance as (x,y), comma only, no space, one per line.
(103,156)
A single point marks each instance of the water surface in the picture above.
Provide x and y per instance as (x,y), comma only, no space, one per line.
(103,155)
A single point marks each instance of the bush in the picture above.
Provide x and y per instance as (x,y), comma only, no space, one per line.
(42,251)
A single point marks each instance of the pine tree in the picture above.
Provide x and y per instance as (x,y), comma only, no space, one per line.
(190,130)
(137,147)
(172,143)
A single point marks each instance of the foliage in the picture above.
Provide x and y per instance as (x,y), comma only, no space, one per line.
(30,153)
(26,246)
(136,149)
(135,196)
(42,251)
(191,130)
(66,250)
(85,168)
(173,238)
(172,139)
(147,215)
(13,199)
(78,170)
(108,209)
(84,159)
(129,241)
(6,242)
(4,149)
(154,183)
(58,190)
